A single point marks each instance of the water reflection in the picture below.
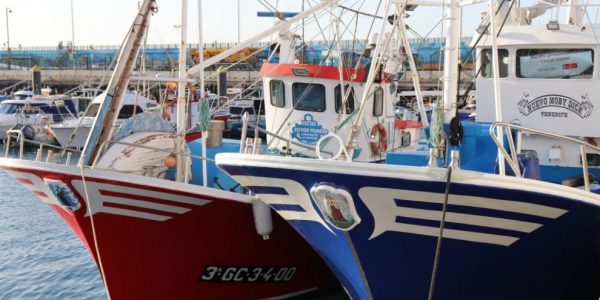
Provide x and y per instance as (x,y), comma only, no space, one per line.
(40,257)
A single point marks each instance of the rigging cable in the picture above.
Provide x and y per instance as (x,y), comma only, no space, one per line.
(438,246)
(472,85)
(94,235)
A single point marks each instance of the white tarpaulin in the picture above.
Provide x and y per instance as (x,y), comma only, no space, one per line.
(555,64)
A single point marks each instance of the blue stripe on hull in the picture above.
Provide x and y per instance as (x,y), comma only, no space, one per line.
(559,260)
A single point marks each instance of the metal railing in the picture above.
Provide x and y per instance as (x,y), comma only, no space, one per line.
(51,155)
(515,150)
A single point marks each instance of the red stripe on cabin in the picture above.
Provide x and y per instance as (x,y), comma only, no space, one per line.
(401,124)
(323,72)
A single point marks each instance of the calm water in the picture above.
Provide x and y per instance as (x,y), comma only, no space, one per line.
(40,258)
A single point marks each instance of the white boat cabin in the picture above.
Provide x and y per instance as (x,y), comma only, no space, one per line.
(548,81)
(306,102)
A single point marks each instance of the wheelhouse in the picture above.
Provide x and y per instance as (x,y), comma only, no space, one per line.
(305,103)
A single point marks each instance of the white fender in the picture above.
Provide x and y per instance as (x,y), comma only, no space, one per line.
(262,218)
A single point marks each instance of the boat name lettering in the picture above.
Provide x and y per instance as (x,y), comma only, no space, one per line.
(582,108)
(248,274)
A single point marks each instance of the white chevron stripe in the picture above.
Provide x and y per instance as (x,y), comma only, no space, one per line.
(297,195)
(456,234)
(134,213)
(146,204)
(38,185)
(381,202)
(97,200)
(150,193)
(460,218)
(472,201)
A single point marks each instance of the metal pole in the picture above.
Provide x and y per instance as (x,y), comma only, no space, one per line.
(496,73)
(200,49)
(201,77)
(72,25)
(303,40)
(73,36)
(451,59)
(181,98)
(239,24)
(8,10)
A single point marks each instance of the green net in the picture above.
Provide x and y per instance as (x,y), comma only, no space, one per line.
(437,124)
(203,115)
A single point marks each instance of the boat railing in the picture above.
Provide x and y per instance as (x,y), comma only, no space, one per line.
(498,129)
(252,145)
(53,152)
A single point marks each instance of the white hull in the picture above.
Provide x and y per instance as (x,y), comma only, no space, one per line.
(63,136)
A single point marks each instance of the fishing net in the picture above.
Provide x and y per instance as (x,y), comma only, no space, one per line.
(203,115)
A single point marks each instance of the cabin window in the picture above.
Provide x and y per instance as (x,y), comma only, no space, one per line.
(37,108)
(486,63)
(127,111)
(277,93)
(337,92)
(308,96)
(555,63)
(9,108)
(33,109)
(378,102)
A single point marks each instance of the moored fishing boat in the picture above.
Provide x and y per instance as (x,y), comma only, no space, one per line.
(155,234)
(452,223)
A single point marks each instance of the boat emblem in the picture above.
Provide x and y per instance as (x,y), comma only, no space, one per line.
(308,131)
(336,206)
(63,195)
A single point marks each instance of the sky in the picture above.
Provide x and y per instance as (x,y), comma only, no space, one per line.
(104,22)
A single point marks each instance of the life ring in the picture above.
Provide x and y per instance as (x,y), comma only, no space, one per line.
(380,145)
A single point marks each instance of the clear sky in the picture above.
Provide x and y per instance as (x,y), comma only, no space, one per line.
(104,22)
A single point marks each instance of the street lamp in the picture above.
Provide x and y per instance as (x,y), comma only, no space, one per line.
(8,10)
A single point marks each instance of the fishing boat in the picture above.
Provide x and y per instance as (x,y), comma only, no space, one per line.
(254,106)
(494,209)
(37,112)
(72,133)
(160,220)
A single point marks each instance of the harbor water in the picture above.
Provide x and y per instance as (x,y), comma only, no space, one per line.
(40,257)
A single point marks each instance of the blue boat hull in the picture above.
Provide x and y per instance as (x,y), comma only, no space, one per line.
(499,243)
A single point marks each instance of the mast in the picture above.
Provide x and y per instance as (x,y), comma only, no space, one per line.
(451,59)
(181,96)
(411,61)
(117,85)
(200,49)
(201,79)
(375,62)
(575,13)
(496,73)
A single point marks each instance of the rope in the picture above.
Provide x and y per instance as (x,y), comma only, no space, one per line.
(89,210)
(438,246)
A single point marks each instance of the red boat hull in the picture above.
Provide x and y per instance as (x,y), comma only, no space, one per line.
(161,242)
